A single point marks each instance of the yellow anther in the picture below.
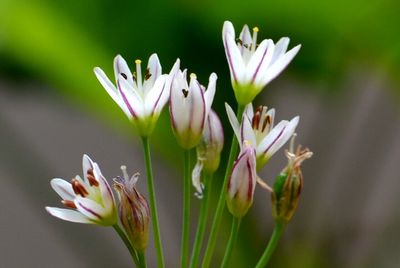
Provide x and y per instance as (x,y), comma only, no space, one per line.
(193,76)
(255,29)
(138,61)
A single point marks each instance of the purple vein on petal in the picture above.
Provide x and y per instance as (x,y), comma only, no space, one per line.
(275,140)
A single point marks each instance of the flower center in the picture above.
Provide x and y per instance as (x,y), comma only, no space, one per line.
(262,123)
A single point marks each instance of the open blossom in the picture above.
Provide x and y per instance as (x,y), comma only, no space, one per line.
(253,66)
(90,200)
(259,130)
(134,211)
(208,150)
(242,182)
(287,187)
(190,105)
(140,97)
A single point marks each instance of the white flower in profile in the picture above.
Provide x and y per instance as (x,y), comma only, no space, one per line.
(189,107)
(140,97)
(253,66)
(259,130)
(90,200)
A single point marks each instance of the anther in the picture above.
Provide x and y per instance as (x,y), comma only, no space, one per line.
(147,74)
(124,75)
(68,203)
(185,92)
(254,41)
(78,188)
(256,120)
(267,122)
(139,74)
(193,76)
(92,180)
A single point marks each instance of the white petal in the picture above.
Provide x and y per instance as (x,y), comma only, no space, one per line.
(87,164)
(210,93)
(247,133)
(63,188)
(245,37)
(105,189)
(260,62)
(155,94)
(179,105)
(131,98)
(233,55)
(92,210)
(279,65)
(68,215)
(280,48)
(234,122)
(196,179)
(110,88)
(155,70)
(198,107)
(249,111)
(121,67)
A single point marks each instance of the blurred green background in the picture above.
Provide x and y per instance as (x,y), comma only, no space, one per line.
(57,44)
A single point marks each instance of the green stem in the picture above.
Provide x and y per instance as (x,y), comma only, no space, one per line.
(232,242)
(201,227)
(142,258)
(186,210)
(153,203)
(221,201)
(273,242)
(127,244)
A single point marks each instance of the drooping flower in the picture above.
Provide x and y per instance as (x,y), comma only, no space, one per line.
(140,97)
(90,200)
(259,130)
(288,185)
(253,66)
(208,150)
(242,182)
(134,211)
(189,107)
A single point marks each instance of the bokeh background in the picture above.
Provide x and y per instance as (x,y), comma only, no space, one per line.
(344,84)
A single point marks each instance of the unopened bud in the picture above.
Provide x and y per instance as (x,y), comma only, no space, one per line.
(133,211)
(288,185)
(242,182)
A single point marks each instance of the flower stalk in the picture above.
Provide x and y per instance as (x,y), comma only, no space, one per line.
(273,242)
(128,244)
(153,203)
(186,210)
(232,241)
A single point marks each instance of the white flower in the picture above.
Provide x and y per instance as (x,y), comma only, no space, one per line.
(259,130)
(253,66)
(242,181)
(141,98)
(189,107)
(90,199)
(208,150)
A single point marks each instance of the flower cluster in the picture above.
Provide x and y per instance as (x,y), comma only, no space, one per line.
(142,95)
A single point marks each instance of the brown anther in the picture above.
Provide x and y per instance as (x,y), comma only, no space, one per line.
(78,188)
(68,203)
(255,122)
(238,40)
(92,180)
(247,46)
(267,122)
(134,76)
(124,75)
(185,92)
(147,75)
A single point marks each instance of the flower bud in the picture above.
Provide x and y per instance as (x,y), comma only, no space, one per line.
(208,151)
(287,187)
(133,210)
(242,182)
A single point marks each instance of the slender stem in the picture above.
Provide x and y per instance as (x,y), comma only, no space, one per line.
(232,242)
(273,242)
(153,203)
(201,227)
(142,258)
(127,244)
(186,210)
(221,201)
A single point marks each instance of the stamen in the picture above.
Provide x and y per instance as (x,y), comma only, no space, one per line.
(124,76)
(291,146)
(267,122)
(91,178)
(78,188)
(254,42)
(139,74)
(147,74)
(185,92)
(239,41)
(68,203)
(256,120)
(124,173)
(193,76)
